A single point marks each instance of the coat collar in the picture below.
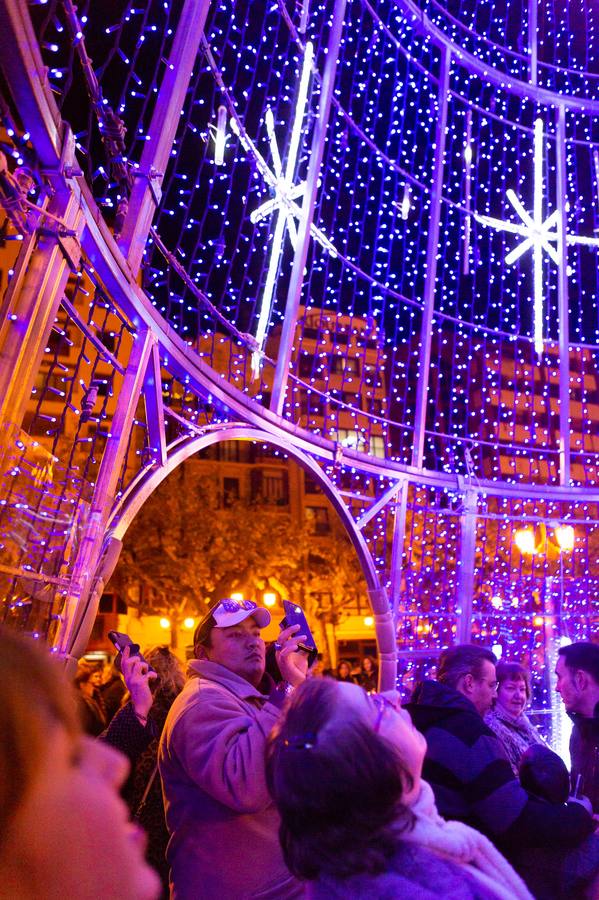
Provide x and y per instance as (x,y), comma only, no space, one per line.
(211,671)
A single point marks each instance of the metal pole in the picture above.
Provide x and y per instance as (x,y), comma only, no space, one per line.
(77,608)
(31,304)
(562,298)
(560,624)
(387,642)
(296,281)
(431,264)
(465,589)
(45,261)
(146,191)
(27,77)
(399,533)
(532,40)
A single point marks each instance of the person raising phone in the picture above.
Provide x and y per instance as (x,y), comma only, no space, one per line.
(223,825)
(152,683)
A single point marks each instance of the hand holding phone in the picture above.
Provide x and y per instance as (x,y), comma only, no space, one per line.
(136,671)
(296,634)
(120,641)
(294,615)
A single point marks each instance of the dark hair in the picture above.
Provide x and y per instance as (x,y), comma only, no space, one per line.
(171,677)
(463,659)
(583,656)
(513,671)
(375,668)
(201,636)
(544,774)
(35,697)
(168,685)
(85,669)
(337,784)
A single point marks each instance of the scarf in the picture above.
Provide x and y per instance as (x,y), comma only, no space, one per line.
(465,846)
(516,735)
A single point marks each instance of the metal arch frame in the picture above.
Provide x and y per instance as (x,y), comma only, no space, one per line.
(529,91)
(181,361)
(42,119)
(124,512)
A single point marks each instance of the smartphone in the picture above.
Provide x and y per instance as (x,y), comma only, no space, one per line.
(294,615)
(121,641)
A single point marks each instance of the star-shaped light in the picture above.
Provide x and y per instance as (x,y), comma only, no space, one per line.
(536,233)
(283,203)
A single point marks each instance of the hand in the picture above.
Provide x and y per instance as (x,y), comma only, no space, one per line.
(137,675)
(293,663)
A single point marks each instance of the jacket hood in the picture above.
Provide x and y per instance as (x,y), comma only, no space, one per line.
(433,702)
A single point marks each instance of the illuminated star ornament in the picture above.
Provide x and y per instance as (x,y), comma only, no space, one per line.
(284,200)
(536,233)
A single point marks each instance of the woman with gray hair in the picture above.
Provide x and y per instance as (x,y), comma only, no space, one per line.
(507,719)
(357,821)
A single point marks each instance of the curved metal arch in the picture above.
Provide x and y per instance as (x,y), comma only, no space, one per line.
(104,254)
(124,513)
(419,20)
(184,363)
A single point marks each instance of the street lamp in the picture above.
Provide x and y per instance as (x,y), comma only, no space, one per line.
(524,539)
(564,537)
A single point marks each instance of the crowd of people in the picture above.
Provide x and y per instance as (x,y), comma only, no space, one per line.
(254,779)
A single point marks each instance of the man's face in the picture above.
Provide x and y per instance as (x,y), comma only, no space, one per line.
(240,649)
(484,688)
(566,686)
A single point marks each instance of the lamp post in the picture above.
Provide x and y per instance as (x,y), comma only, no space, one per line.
(563,537)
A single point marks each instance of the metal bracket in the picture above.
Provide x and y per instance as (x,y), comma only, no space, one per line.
(69,166)
(71,248)
(154,179)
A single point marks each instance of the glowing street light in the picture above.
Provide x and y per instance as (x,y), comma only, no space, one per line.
(564,536)
(524,539)
(165,623)
(269,598)
(189,623)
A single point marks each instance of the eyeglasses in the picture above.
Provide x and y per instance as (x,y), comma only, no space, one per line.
(232,606)
(381,704)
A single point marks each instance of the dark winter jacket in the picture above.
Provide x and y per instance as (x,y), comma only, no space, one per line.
(584,750)
(471,776)
(413,872)
(92,714)
(140,744)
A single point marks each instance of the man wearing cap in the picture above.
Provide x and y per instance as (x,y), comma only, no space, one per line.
(222,823)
